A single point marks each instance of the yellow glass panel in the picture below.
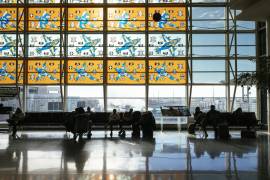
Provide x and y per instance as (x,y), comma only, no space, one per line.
(172,18)
(126,72)
(126,19)
(85,19)
(43,71)
(8,19)
(167,72)
(44,19)
(8,71)
(85,71)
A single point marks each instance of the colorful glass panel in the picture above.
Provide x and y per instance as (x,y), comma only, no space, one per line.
(85,1)
(85,45)
(8,19)
(44,45)
(43,1)
(125,1)
(167,72)
(126,19)
(8,1)
(172,19)
(167,45)
(126,45)
(44,19)
(8,45)
(85,19)
(166,1)
(126,72)
(85,71)
(43,71)
(8,71)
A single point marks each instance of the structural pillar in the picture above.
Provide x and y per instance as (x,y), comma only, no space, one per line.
(268,54)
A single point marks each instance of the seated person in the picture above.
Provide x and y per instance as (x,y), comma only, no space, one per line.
(114,118)
(15,120)
(213,117)
(135,121)
(125,120)
(81,123)
(200,119)
(89,112)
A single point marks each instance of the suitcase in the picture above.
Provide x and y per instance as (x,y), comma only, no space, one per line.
(223,131)
(191,128)
(248,133)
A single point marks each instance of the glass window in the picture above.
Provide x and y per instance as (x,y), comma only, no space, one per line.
(44,19)
(85,19)
(84,96)
(8,71)
(123,98)
(126,19)
(167,72)
(126,71)
(43,71)
(205,96)
(8,18)
(167,45)
(209,77)
(38,97)
(85,72)
(126,45)
(245,97)
(172,19)
(85,45)
(8,45)
(208,65)
(160,95)
(208,39)
(44,45)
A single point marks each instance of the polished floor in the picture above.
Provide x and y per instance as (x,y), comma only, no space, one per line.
(51,155)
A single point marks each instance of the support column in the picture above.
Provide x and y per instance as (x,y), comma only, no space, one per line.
(268,54)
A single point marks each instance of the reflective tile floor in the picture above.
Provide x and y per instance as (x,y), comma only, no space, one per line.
(50,155)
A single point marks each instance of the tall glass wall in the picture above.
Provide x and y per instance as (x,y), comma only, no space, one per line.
(124,54)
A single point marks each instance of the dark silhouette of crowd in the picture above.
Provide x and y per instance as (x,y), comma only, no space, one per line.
(80,122)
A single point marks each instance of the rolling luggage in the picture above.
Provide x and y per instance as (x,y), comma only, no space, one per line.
(248,133)
(223,131)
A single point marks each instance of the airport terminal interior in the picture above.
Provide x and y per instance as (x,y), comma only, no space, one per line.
(134,89)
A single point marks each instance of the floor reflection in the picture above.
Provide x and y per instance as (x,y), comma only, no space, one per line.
(172,155)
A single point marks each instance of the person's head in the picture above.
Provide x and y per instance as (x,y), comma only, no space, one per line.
(131,110)
(18,110)
(197,109)
(212,107)
(1,105)
(171,108)
(88,109)
(114,111)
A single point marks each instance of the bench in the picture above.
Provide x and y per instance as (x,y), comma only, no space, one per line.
(57,120)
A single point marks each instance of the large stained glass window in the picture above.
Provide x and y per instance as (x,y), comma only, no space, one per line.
(126,72)
(120,48)
(85,72)
(43,71)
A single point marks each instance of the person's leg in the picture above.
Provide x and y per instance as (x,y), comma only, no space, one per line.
(14,130)
(204,130)
(111,129)
(215,131)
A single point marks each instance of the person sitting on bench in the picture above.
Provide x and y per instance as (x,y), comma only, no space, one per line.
(213,117)
(15,120)
(125,120)
(113,120)
(200,119)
